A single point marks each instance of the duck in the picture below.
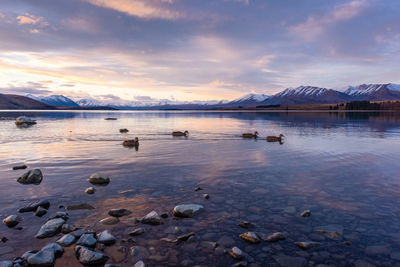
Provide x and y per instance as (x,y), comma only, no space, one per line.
(275,138)
(131,142)
(178,133)
(124,130)
(250,135)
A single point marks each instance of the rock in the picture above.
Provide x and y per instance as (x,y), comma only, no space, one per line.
(131,142)
(110,220)
(24,121)
(307,245)
(40,211)
(4,239)
(347,243)
(137,231)
(46,256)
(185,237)
(187,210)
(99,179)
(288,261)
(66,229)
(251,237)
(124,130)
(6,264)
(20,167)
(12,220)
(78,233)
(110,119)
(245,224)
(168,240)
(306,213)
(132,221)
(66,240)
(90,257)
(106,238)
(56,248)
(31,177)
(139,264)
(164,215)
(119,212)
(206,196)
(275,237)
(90,190)
(236,253)
(29,253)
(50,228)
(152,218)
(60,214)
(87,240)
(35,205)
(198,189)
(83,206)
(138,253)
(240,264)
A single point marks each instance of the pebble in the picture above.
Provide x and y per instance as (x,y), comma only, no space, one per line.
(152,218)
(307,245)
(12,220)
(245,224)
(306,213)
(99,178)
(137,231)
(90,257)
(119,212)
(34,176)
(50,228)
(66,240)
(87,240)
(236,253)
(251,237)
(106,238)
(187,210)
(90,190)
(275,237)
(110,220)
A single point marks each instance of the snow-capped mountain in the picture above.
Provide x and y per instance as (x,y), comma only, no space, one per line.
(54,100)
(306,95)
(249,99)
(388,91)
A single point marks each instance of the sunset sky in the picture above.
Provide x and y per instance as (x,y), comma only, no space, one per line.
(194,49)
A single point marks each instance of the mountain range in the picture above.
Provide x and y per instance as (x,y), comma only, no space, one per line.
(291,96)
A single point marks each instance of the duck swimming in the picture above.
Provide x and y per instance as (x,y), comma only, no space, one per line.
(178,133)
(131,142)
(275,138)
(250,135)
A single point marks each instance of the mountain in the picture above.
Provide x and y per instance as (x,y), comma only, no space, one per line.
(55,100)
(372,92)
(21,102)
(307,95)
(249,99)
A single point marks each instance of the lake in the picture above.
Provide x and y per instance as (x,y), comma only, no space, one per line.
(343,167)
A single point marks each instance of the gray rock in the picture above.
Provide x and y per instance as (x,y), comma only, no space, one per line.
(251,237)
(66,228)
(78,233)
(275,237)
(152,218)
(50,228)
(187,210)
(90,257)
(236,253)
(6,264)
(24,121)
(307,245)
(42,258)
(60,214)
(29,253)
(34,206)
(119,212)
(40,211)
(137,231)
(66,240)
(245,224)
(110,220)
(31,177)
(19,167)
(12,220)
(87,240)
(56,248)
(139,264)
(90,190)
(99,178)
(106,238)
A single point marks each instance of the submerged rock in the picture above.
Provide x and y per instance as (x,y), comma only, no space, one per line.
(90,190)
(20,167)
(34,206)
(24,121)
(187,210)
(12,220)
(99,178)
(66,240)
(87,240)
(152,218)
(40,211)
(83,206)
(251,237)
(34,176)
(90,257)
(307,245)
(306,213)
(110,220)
(275,237)
(119,212)
(137,231)
(245,224)
(236,253)
(50,228)
(106,238)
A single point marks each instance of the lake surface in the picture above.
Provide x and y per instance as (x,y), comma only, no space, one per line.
(344,167)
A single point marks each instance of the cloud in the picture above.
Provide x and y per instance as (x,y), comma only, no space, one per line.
(316,25)
(27,88)
(32,20)
(148,9)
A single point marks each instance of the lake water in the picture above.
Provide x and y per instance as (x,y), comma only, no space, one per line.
(344,167)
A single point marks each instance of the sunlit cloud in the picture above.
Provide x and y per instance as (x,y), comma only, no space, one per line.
(32,20)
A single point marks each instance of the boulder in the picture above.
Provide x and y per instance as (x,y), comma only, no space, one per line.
(66,240)
(99,179)
(50,228)
(124,130)
(106,238)
(152,218)
(187,210)
(40,211)
(87,240)
(12,220)
(90,257)
(34,176)
(20,167)
(46,256)
(24,121)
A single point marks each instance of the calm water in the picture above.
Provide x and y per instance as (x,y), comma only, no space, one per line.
(344,167)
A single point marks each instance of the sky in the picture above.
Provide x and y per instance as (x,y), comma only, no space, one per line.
(194,50)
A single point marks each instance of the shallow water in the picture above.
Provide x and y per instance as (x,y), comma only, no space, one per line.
(344,167)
